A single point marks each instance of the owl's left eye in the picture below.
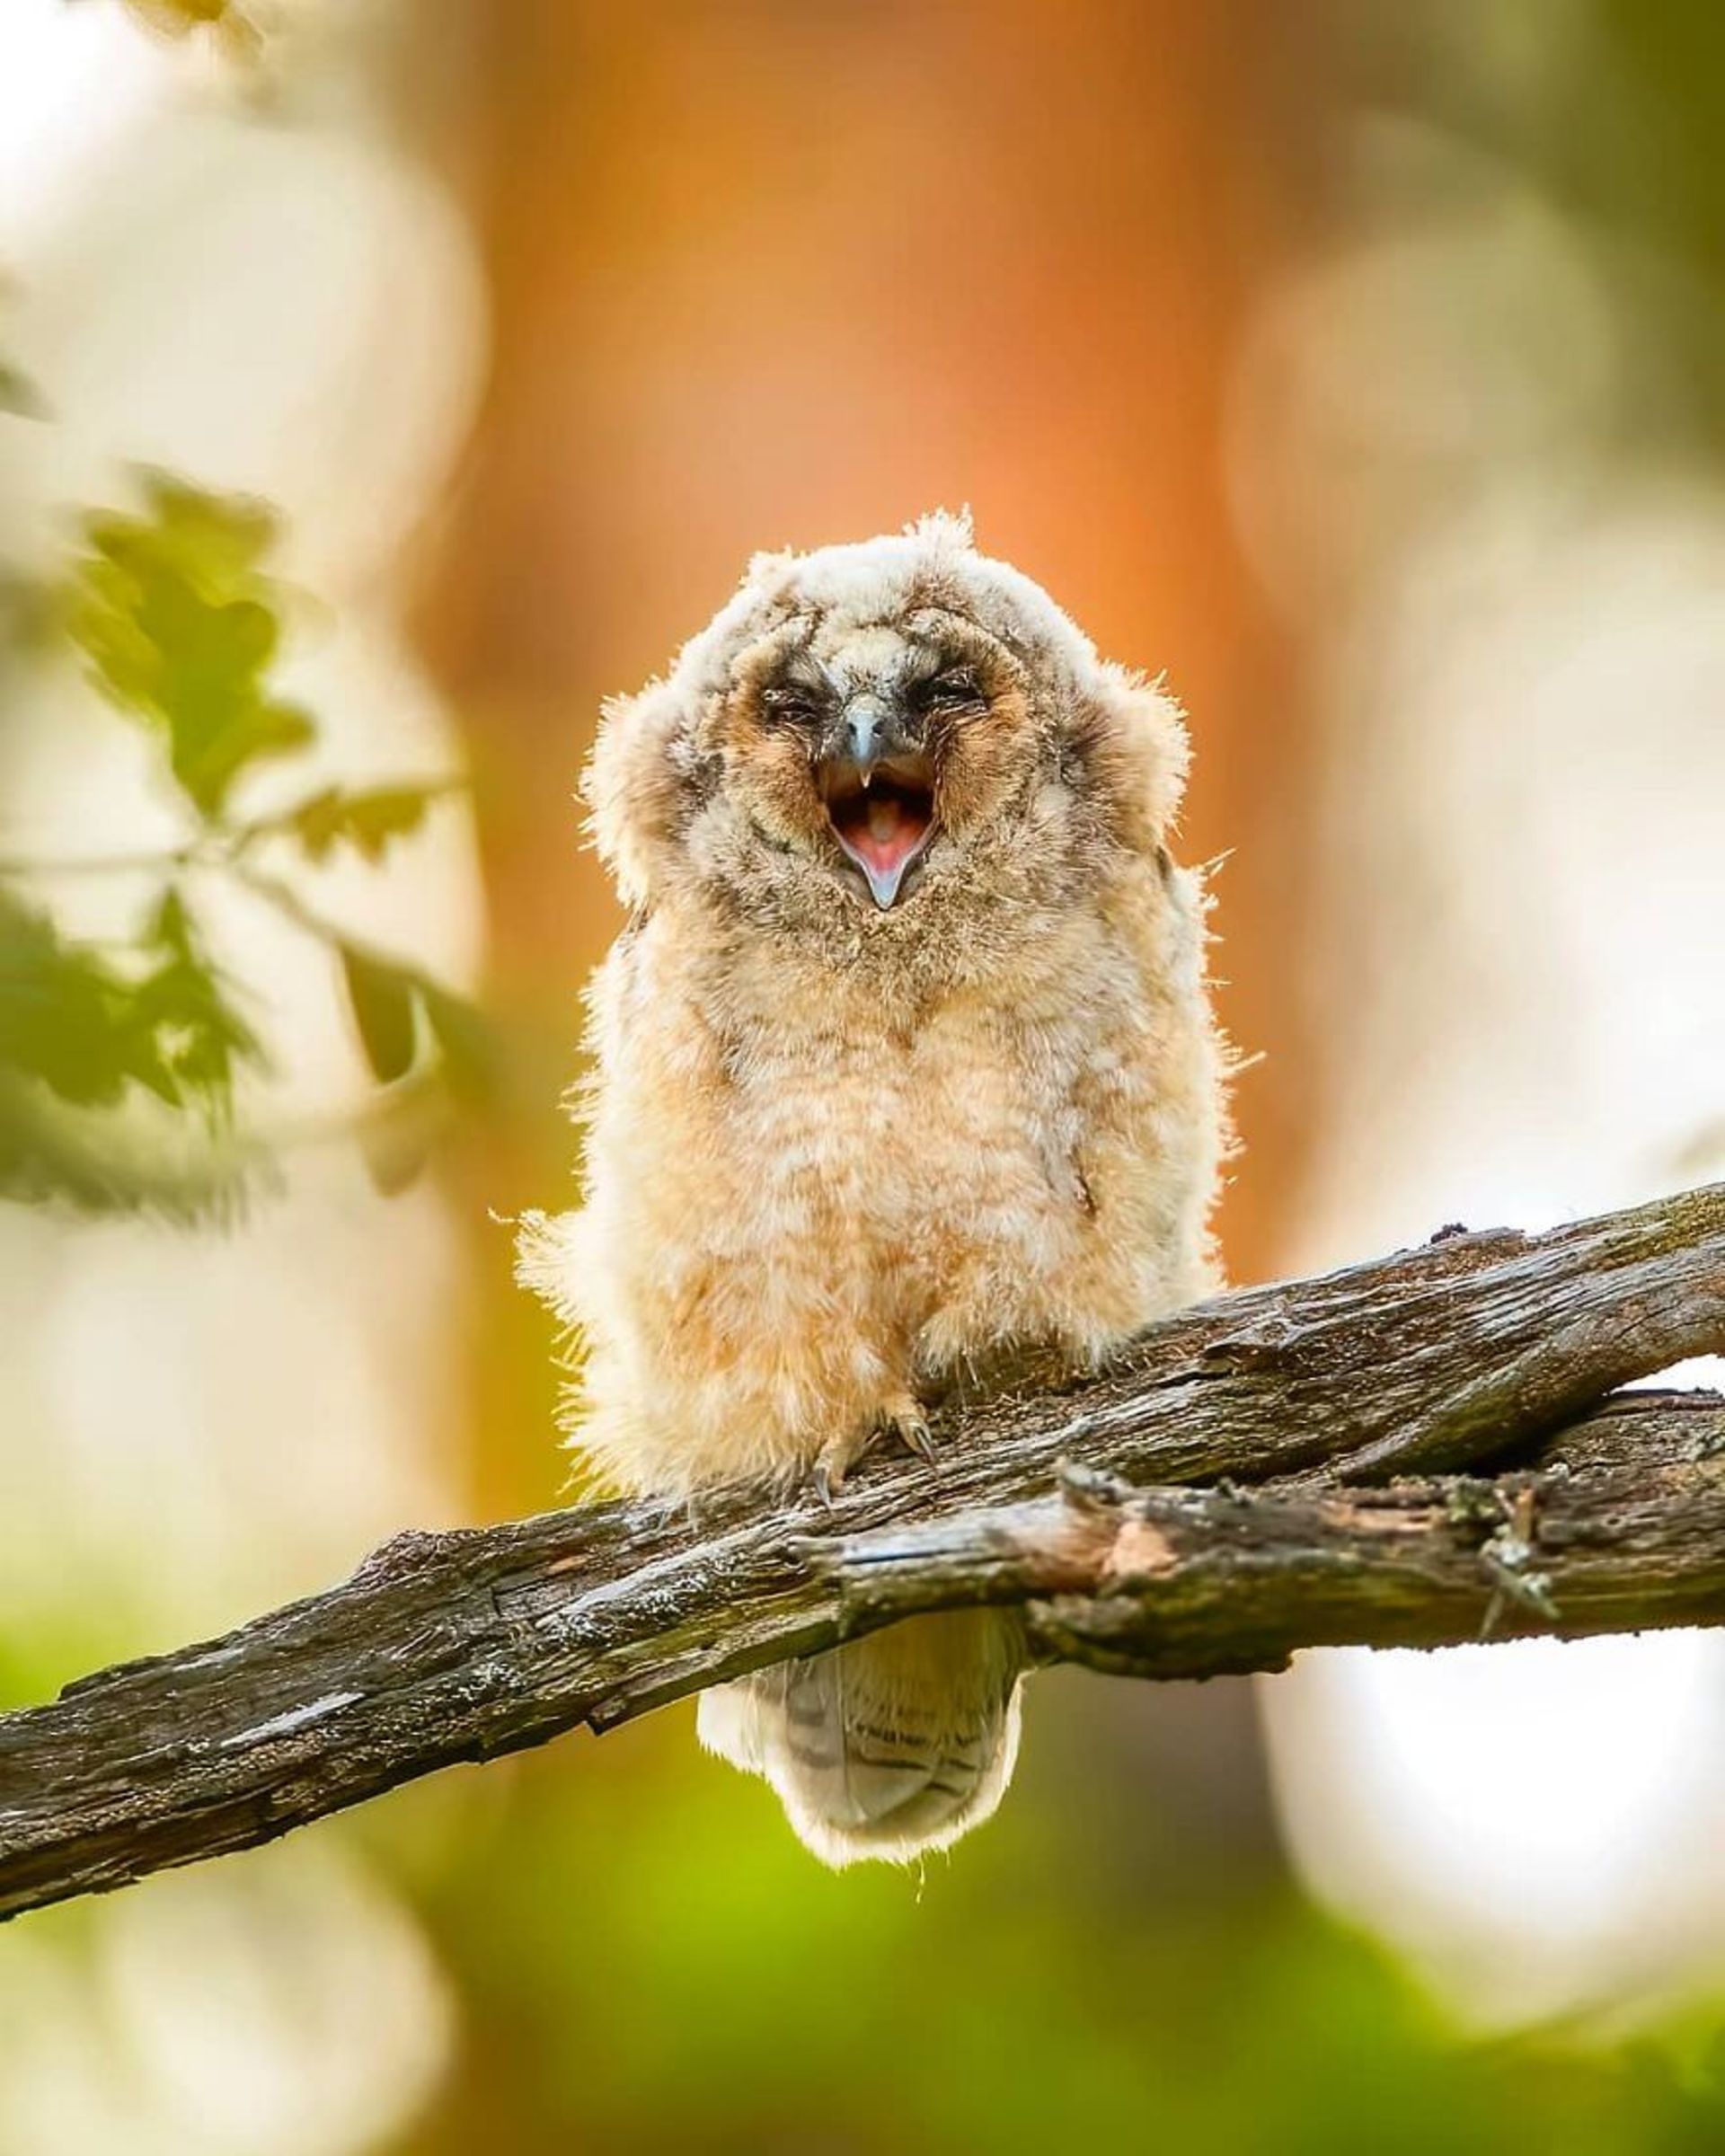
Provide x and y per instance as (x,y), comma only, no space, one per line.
(785,699)
(956,689)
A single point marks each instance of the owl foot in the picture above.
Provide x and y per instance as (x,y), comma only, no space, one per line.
(902,1419)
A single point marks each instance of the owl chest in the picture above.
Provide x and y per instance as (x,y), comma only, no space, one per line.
(903,1156)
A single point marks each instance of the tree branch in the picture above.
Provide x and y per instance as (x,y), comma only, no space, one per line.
(1072,1501)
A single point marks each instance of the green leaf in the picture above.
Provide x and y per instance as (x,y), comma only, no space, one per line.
(398,1138)
(182,14)
(103,1161)
(89,1029)
(180,625)
(467,1041)
(19,395)
(233,23)
(209,769)
(203,1040)
(67,1016)
(383,1001)
(367,821)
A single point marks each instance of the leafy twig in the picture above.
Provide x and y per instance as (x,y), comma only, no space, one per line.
(179,623)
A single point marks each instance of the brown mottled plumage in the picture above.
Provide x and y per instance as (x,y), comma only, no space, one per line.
(904,1060)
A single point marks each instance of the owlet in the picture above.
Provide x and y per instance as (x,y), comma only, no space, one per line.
(903,1064)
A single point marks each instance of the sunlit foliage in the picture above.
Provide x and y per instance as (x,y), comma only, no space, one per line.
(178,620)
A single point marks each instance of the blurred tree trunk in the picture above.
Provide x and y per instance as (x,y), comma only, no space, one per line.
(787,273)
(794,274)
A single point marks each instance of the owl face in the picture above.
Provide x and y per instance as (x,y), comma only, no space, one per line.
(888,743)
(862,748)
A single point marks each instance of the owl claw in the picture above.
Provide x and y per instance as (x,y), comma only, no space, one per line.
(826,1476)
(904,1422)
(914,1434)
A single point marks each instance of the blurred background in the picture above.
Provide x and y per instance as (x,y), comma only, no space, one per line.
(1363,368)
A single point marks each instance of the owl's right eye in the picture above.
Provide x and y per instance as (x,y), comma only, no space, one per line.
(785,700)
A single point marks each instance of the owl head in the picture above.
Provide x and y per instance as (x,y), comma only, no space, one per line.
(886,741)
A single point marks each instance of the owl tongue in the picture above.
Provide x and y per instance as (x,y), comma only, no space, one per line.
(883,828)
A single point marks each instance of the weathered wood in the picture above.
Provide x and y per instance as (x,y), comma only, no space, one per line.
(1617,1525)
(462,1645)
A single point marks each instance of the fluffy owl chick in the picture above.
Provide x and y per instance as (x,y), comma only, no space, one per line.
(903,1062)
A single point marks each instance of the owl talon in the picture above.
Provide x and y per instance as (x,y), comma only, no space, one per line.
(826,1476)
(914,1434)
(904,1421)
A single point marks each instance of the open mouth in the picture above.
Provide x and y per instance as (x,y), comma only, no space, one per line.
(882,815)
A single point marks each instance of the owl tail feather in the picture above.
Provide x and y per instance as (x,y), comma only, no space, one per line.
(892,1746)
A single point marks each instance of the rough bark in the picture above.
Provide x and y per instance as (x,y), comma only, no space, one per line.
(1212,1502)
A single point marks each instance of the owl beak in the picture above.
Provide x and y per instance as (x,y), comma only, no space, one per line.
(867,724)
(881,810)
